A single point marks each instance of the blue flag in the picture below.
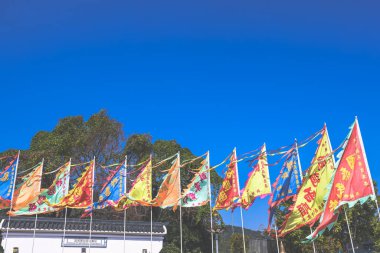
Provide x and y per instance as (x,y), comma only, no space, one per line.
(112,190)
(7,179)
(287,182)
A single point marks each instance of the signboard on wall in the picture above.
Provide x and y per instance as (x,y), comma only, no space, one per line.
(84,242)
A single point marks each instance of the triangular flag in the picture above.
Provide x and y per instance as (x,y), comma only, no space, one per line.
(80,196)
(197,192)
(170,192)
(352,182)
(141,190)
(29,189)
(229,191)
(309,202)
(53,194)
(287,182)
(7,180)
(258,183)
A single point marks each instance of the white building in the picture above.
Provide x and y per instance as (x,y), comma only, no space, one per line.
(107,236)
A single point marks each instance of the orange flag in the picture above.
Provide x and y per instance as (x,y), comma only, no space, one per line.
(29,189)
(229,191)
(170,191)
(80,197)
(352,182)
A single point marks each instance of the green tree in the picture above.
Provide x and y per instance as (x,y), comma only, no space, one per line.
(236,243)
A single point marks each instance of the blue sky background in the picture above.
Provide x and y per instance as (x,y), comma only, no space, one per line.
(212,75)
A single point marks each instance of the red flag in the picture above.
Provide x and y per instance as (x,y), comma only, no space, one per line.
(229,191)
(352,182)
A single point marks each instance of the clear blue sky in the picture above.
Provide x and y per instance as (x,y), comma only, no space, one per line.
(212,75)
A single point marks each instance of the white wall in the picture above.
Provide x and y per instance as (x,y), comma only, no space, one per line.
(48,243)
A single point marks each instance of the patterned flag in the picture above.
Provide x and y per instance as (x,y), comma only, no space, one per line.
(258,183)
(229,191)
(58,189)
(197,192)
(81,195)
(170,191)
(309,202)
(141,190)
(287,183)
(352,182)
(7,180)
(29,189)
(112,190)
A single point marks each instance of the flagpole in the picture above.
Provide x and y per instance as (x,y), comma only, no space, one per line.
(241,208)
(66,191)
(275,230)
(180,201)
(11,204)
(349,230)
(35,220)
(366,163)
(151,218)
(209,195)
(301,175)
(125,192)
(92,205)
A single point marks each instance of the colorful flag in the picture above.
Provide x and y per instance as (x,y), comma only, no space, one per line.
(287,183)
(28,189)
(229,191)
(141,190)
(58,189)
(7,180)
(352,182)
(309,202)
(81,195)
(112,190)
(197,192)
(258,183)
(169,193)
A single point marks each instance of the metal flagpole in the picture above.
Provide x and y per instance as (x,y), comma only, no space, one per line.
(180,201)
(366,163)
(34,232)
(349,230)
(66,191)
(125,192)
(92,205)
(11,204)
(241,208)
(209,195)
(35,220)
(64,230)
(300,171)
(151,217)
(275,230)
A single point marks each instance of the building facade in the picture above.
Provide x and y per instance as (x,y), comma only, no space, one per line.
(106,236)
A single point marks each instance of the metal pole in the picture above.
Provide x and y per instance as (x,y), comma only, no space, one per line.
(209,195)
(180,201)
(92,205)
(66,191)
(125,191)
(300,171)
(217,242)
(151,229)
(11,204)
(34,232)
(349,230)
(275,230)
(241,208)
(64,230)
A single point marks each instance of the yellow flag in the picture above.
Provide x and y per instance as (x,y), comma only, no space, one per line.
(28,190)
(141,190)
(258,183)
(309,202)
(169,193)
